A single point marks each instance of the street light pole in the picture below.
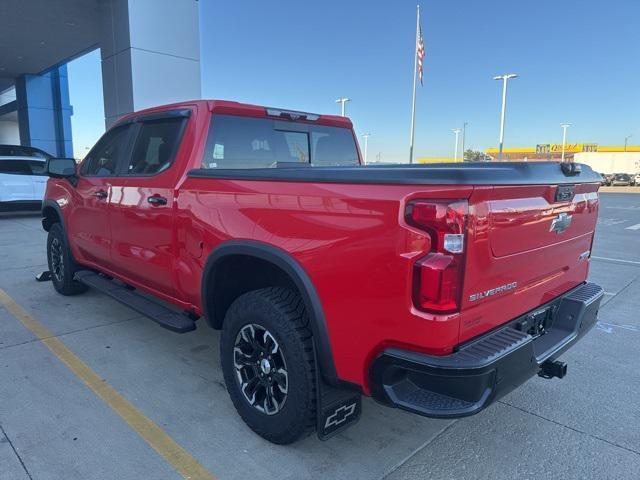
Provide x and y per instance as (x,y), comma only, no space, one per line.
(626,139)
(342,101)
(366,145)
(505,79)
(464,134)
(564,137)
(455,154)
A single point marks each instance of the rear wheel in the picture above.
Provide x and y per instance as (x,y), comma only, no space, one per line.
(266,353)
(61,263)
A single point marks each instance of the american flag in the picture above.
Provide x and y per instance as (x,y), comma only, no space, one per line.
(420,53)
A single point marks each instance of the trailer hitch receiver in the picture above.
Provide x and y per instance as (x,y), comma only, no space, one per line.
(553,368)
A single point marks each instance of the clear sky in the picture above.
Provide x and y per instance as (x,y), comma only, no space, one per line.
(578,62)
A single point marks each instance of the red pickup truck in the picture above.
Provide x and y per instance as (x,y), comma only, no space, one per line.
(432,288)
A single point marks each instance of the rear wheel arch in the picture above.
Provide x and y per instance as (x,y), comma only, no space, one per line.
(239,266)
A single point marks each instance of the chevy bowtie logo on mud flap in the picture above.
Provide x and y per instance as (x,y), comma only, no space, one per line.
(338,416)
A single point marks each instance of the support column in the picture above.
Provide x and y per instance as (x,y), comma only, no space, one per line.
(150,54)
(44,111)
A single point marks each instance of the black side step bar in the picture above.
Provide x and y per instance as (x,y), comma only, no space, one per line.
(163,316)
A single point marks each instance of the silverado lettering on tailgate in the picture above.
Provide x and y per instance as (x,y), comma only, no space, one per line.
(492,291)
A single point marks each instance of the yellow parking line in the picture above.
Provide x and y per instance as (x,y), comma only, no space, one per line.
(158,439)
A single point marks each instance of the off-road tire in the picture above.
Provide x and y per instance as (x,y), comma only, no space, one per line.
(281,312)
(62,274)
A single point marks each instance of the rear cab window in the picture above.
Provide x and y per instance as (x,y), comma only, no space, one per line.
(247,142)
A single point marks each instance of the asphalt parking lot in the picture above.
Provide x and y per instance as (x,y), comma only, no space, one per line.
(53,425)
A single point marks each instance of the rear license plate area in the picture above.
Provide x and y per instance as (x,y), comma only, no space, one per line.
(537,322)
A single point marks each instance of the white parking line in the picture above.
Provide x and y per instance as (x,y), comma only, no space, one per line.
(630,262)
(609,327)
(634,227)
(610,222)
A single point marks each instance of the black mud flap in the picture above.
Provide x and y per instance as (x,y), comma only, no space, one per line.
(337,409)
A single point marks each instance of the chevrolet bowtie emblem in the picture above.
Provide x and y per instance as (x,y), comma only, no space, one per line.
(560,223)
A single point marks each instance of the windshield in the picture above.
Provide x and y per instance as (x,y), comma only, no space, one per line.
(245,142)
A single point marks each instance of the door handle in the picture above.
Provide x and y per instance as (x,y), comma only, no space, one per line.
(101,194)
(157,200)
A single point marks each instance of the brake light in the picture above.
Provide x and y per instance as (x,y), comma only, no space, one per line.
(292,115)
(438,275)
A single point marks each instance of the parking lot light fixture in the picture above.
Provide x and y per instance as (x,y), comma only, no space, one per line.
(626,140)
(366,145)
(505,79)
(342,101)
(455,150)
(464,137)
(564,137)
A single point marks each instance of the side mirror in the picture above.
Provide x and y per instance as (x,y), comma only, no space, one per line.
(61,167)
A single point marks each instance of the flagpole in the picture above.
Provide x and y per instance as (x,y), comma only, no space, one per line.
(415,78)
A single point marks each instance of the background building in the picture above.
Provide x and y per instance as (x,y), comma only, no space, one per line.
(611,162)
(150,51)
(603,159)
(438,160)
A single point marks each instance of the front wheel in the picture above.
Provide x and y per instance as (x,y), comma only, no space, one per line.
(266,352)
(61,263)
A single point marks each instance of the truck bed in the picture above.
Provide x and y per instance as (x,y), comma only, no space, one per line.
(502,173)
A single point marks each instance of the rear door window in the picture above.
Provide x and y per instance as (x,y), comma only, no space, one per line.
(245,142)
(15,167)
(156,146)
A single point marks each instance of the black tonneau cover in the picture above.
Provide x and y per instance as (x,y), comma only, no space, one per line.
(489,173)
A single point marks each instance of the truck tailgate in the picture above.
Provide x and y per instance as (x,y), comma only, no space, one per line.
(526,246)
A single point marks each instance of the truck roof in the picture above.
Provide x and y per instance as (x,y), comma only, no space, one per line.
(227,107)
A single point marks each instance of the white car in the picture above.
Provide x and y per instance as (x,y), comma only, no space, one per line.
(636,179)
(22,178)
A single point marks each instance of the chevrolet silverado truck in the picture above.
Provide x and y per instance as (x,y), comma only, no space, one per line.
(431,288)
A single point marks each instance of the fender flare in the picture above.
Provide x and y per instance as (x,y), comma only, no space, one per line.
(296,273)
(51,204)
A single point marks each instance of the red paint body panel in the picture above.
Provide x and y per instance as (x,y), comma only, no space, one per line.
(510,241)
(351,239)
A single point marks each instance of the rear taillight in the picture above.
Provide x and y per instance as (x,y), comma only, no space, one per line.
(438,275)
